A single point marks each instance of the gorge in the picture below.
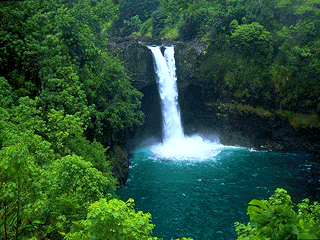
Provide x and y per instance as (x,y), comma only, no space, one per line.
(202,108)
(200,195)
(85,153)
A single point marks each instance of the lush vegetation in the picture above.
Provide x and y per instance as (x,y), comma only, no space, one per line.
(262,53)
(277,219)
(266,55)
(65,106)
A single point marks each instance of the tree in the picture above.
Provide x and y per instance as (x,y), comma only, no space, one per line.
(17,62)
(73,184)
(132,25)
(252,39)
(128,10)
(192,23)
(176,6)
(113,219)
(20,188)
(23,125)
(276,219)
(116,101)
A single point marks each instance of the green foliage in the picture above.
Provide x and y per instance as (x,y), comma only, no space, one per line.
(61,128)
(311,211)
(301,120)
(170,33)
(116,101)
(23,126)
(260,111)
(63,41)
(92,152)
(73,176)
(158,21)
(113,219)
(266,53)
(73,185)
(252,38)
(15,64)
(20,185)
(6,95)
(310,6)
(276,219)
(176,6)
(184,238)
(147,28)
(128,10)
(191,25)
(132,25)
(58,80)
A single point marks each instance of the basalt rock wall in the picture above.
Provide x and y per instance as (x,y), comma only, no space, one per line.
(138,61)
(201,110)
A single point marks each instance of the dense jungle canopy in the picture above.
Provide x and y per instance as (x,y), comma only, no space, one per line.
(262,53)
(66,105)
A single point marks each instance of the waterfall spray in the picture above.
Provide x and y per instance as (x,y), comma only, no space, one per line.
(166,78)
(175,144)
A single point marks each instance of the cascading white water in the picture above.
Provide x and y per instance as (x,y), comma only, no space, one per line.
(166,76)
(175,145)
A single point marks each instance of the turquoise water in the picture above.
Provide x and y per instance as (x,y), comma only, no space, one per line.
(203,198)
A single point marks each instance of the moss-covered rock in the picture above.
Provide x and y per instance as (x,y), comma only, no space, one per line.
(253,121)
(120,163)
(137,60)
(251,126)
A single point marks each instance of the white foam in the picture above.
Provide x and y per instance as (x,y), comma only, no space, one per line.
(187,148)
(176,146)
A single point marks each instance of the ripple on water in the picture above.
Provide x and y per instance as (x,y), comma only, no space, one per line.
(202,199)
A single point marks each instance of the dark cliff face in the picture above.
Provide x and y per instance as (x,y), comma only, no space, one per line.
(137,60)
(200,111)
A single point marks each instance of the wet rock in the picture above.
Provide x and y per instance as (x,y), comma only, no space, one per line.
(138,61)
(243,128)
(120,164)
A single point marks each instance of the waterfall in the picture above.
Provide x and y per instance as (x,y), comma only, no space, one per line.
(166,77)
(175,145)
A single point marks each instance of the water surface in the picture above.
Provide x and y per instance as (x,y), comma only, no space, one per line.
(195,187)
(202,198)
